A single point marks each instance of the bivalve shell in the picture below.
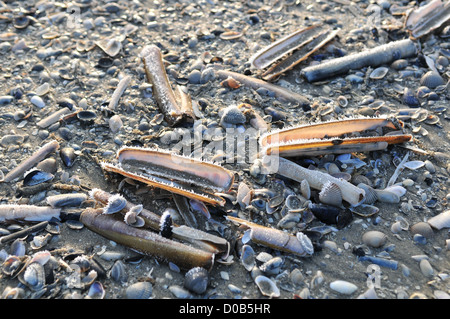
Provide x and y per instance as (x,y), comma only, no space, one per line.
(115,204)
(139,290)
(432,79)
(267,286)
(331,194)
(379,73)
(423,229)
(34,276)
(248,257)
(371,195)
(374,238)
(343,287)
(196,280)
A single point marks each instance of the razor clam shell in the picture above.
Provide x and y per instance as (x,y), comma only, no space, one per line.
(144,241)
(35,158)
(427,18)
(28,212)
(316,179)
(299,245)
(177,167)
(280,92)
(327,129)
(301,54)
(383,54)
(283,46)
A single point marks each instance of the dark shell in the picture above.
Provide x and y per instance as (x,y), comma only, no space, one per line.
(196,280)
(36,176)
(325,213)
(166,225)
(399,64)
(66,102)
(86,117)
(410,99)
(432,80)
(21,22)
(68,156)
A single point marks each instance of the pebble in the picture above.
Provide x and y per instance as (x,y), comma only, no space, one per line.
(426,268)
(343,287)
(6,99)
(115,123)
(194,77)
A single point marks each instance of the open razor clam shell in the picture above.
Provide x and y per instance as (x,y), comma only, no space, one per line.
(178,174)
(325,137)
(301,54)
(317,147)
(283,46)
(427,18)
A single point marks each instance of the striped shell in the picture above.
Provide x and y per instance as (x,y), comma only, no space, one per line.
(331,194)
(371,195)
(432,80)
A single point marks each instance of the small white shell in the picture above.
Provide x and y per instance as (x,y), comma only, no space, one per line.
(343,287)
(331,194)
(267,286)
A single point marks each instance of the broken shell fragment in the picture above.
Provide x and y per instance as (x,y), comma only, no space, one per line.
(178,174)
(111,46)
(441,220)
